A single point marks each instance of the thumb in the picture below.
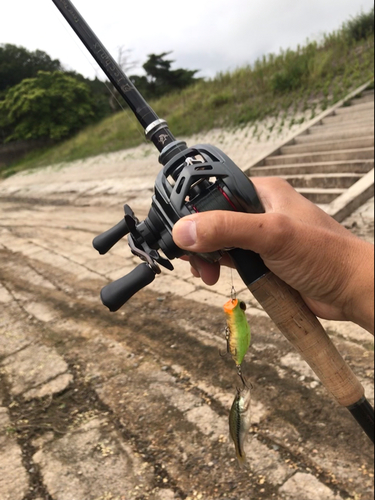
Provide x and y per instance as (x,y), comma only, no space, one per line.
(215,230)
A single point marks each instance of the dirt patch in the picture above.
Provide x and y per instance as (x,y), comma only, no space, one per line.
(144,374)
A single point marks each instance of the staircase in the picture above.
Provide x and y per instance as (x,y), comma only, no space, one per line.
(331,162)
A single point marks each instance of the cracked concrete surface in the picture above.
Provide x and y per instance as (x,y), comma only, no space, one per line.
(100,406)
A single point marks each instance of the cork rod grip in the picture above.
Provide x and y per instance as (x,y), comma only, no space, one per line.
(300,326)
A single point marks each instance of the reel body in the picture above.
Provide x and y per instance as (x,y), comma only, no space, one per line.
(196,179)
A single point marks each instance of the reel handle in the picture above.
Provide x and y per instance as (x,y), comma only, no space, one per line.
(105,241)
(116,294)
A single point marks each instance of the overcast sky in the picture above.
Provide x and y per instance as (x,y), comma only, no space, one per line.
(209,35)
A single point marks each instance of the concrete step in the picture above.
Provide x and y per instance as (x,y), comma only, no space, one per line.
(353,116)
(323,181)
(359,101)
(356,167)
(356,106)
(321,196)
(345,126)
(357,143)
(320,157)
(336,134)
(366,96)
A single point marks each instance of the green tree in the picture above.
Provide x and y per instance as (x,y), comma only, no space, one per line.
(17,63)
(52,105)
(99,92)
(160,78)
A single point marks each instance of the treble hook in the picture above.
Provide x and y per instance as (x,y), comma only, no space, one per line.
(227,340)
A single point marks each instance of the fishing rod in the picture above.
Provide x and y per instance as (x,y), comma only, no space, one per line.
(199,179)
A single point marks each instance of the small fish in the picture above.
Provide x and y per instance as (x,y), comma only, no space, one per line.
(238,330)
(240,422)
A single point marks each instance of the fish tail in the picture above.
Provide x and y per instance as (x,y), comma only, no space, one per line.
(241,455)
(242,460)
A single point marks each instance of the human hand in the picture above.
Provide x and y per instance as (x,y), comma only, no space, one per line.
(331,268)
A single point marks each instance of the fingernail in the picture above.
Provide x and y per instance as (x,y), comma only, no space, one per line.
(185,233)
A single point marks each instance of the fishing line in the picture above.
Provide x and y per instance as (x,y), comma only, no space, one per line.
(99,72)
(233,293)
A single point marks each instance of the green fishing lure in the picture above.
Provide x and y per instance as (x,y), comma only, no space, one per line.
(238,333)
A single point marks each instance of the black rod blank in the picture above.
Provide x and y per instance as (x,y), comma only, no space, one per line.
(143,112)
(363,412)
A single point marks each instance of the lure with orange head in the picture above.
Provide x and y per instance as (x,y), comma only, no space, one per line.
(238,330)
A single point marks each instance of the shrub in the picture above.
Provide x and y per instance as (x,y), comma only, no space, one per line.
(295,69)
(218,100)
(360,27)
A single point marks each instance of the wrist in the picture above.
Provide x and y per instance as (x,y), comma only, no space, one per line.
(360,303)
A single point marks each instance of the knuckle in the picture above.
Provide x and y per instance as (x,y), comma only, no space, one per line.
(280,233)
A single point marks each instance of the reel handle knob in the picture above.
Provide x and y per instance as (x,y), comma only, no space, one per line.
(117,293)
(105,241)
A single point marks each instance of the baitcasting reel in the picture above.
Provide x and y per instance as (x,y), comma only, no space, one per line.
(194,180)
